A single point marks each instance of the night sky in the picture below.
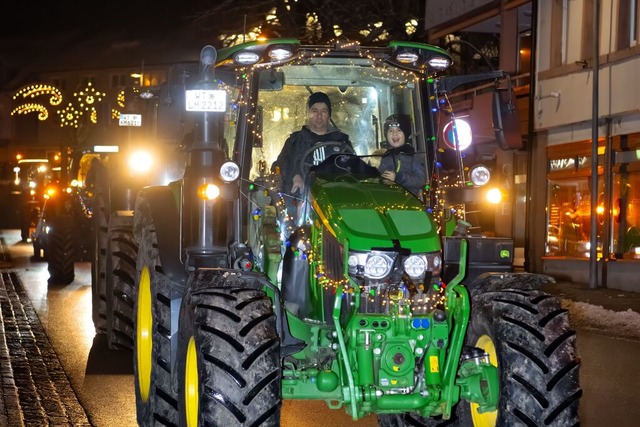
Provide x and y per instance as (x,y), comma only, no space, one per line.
(48,17)
(39,36)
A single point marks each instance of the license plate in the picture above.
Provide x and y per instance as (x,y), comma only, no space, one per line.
(206,100)
(130,120)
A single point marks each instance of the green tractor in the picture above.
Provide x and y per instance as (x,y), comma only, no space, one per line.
(355,296)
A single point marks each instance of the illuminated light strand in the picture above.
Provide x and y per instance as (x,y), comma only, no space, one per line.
(88,97)
(120,99)
(69,116)
(38,89)
(42,111)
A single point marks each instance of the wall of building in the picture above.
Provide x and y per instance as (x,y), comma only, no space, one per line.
(563,126)
(568,99)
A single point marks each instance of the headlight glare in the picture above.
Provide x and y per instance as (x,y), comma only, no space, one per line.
(208,191)
(140,162)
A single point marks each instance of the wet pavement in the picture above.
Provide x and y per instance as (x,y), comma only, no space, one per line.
(44,396)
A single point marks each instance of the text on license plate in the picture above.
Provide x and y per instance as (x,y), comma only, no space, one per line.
(206,100)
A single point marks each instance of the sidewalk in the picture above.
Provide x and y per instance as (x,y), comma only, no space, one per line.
(615,312)
(609,299)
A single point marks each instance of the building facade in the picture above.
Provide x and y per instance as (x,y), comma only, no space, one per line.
(576,98)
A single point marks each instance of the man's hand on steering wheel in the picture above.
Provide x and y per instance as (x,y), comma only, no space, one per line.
(307,158)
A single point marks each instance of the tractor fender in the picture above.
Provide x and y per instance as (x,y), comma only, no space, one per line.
(489,282)
(160,202)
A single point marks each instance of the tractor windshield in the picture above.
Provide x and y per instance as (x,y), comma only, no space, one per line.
(363,93)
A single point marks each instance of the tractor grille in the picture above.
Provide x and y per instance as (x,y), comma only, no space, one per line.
(332,256)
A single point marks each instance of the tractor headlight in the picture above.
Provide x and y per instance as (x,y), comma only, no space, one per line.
(439,62)
(415,266)
(377,266)
(479,175)
(353,261)
(434,263)
(246,58)
(208,191)
(494,196)
(140,162)
(407,57)
(278,54)
(229,172)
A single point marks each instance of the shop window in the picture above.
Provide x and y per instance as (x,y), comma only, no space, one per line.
(625,208)
(569,208)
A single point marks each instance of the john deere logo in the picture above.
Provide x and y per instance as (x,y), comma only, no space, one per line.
(504,253)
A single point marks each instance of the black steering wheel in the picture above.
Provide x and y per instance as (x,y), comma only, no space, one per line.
(340,147)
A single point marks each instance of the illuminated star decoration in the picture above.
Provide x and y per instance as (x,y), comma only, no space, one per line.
(32,91)
(87,100)
(69,116)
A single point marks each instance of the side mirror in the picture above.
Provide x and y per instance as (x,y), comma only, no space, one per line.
(506,118)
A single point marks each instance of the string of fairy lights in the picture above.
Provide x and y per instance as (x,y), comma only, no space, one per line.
(424,298)
(427,296)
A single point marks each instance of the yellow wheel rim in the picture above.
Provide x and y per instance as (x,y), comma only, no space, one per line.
(191,396)
(144,334)
(488,419)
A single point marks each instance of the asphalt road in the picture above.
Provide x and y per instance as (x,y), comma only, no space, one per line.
(65,374)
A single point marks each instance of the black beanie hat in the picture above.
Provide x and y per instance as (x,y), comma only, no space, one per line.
(319,97)
(398,120)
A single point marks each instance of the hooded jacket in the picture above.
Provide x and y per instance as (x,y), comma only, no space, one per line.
(408,165)
(290,158)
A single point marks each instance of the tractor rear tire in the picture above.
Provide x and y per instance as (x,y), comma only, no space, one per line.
(156,400)
(237,358)
(527,336)
(122,252)
(61,250)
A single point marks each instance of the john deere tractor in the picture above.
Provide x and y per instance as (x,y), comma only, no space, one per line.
(244,297)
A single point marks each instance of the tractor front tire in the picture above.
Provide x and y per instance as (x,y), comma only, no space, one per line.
(527,336)
(228,358)
(156,400)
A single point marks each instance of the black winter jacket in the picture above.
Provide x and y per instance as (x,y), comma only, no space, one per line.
(408,165)
(290,158)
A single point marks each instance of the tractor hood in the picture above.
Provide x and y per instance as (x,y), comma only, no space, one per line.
(372,213)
